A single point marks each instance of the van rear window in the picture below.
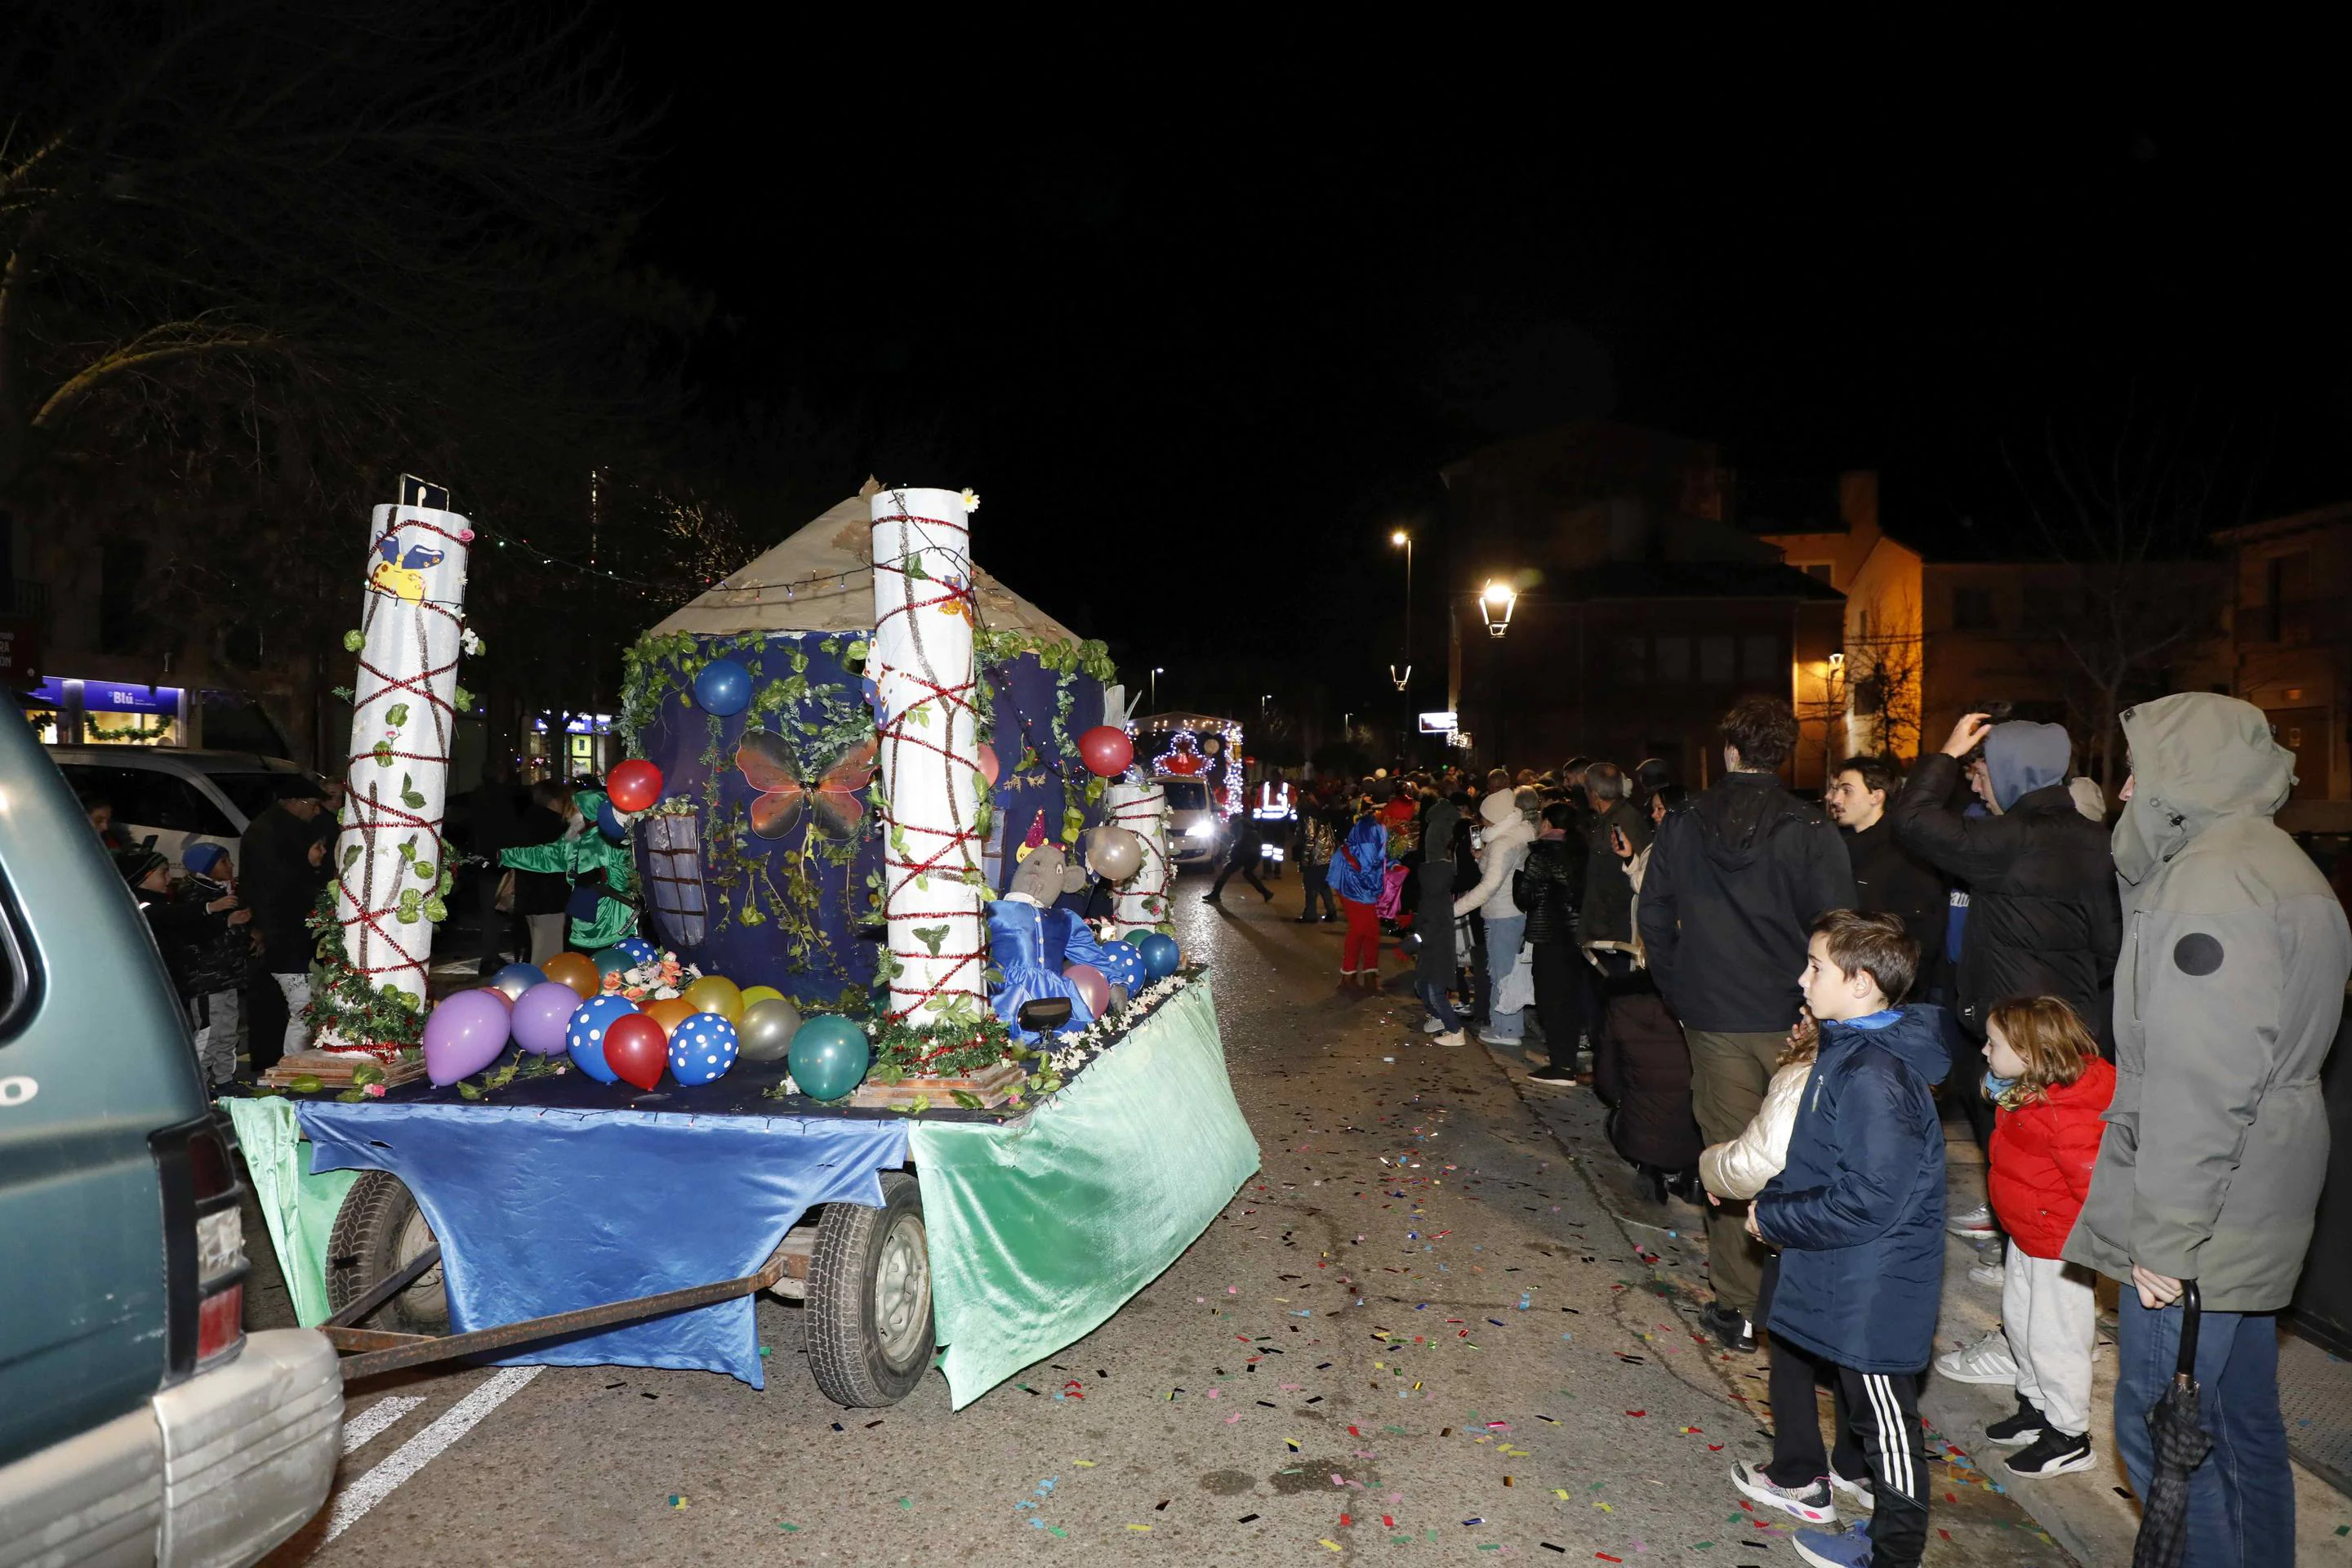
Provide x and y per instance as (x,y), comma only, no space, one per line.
(1185,795)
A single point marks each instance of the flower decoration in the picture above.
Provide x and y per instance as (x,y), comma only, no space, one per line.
(655,980)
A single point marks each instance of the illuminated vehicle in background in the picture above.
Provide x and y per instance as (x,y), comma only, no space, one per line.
(1196,831)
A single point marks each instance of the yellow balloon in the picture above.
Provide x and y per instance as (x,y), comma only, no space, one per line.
(711,994)
(755,995)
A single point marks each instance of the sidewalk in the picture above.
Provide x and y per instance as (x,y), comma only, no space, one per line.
(1992,1517)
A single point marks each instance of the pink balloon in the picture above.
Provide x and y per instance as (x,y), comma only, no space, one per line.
(989,766)
(504,1000)
(541,1015)
(462,1035)
(1091,985)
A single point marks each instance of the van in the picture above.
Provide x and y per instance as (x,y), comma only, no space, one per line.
(171,799)
(1196,835)
(139,1422)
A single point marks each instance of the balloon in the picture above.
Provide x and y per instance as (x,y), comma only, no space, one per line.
(723,688)
(1160,956)
(829,1057)
(1114,854)
(989,766)
(541,1015)
(715,994)
(637,948)
(462,1035)
(612,961)
(752,994)
(1138,934)
(504,1000)
(1105,750)
(516,978)
(577,971)
(767,1030)
(1091,985)
(584,1036)
(609,823)
(704,1048)
(633,1047)
(634,785)
(669,1013)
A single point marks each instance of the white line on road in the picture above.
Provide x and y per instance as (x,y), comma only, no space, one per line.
(354,1501)
(364,1426)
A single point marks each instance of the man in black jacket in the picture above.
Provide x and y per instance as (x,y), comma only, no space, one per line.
(281,867)
(2042,916)
(1887,878)
(1734,886)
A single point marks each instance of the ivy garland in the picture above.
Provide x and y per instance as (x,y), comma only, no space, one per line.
(375,1018)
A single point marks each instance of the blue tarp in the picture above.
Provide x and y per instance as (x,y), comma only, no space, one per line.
(542,1211)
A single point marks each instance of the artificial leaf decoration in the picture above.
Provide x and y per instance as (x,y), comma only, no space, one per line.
(408,796)
(396,715)
(930,937)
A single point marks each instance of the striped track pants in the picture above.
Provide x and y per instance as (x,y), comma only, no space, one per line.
(1886,1409)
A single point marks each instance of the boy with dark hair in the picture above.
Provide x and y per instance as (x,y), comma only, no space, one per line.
(1858,1213)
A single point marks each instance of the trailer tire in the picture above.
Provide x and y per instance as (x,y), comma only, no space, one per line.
(378,1228)
(868,1318)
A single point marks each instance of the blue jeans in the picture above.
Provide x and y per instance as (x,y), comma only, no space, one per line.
(1502,955)
(1441,1006)
(2242,1498)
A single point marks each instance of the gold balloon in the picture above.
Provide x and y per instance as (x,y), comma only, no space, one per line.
(755,995)
(669,1013)
(576,970)
(712,993)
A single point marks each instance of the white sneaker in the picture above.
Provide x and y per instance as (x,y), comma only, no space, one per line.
(1991,1274)
(1451,1038)
(1814,1504)
(1987,1361)
(1856,1492)
(1972,1224)
(1432,1026)
(1488,1036)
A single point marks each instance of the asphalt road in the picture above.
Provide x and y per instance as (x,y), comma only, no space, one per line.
(1435,1324)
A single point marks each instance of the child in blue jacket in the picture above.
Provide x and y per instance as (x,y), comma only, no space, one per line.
(1858,1215)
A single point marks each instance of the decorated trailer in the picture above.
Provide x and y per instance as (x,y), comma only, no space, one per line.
(851,1035)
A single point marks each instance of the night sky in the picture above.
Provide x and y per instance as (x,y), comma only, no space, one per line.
(1233,334)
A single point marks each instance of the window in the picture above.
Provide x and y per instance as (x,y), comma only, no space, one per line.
(1185,795)
(256,793)
(1715,666)
(1972,610)
(1759,657)
(149,801)
(1673,660)
(1821,571)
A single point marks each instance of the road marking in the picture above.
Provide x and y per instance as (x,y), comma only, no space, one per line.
(353,1501)
(362,1427)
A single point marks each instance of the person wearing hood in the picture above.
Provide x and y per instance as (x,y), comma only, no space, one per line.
(2228,996)
(602,877)
(1434,959)
(1605,921)
(1505,837)
(2041,902)
(1736,880)
(1549,883)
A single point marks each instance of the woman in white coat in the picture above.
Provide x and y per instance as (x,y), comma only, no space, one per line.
(1504,836)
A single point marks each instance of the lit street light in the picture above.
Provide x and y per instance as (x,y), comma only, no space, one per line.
(1157,671)
(1405,540)
(1496,604)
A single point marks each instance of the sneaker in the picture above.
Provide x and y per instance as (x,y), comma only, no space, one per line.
(1829,1549)
(2027,1425)
(1856,1490)
(1551,1072)
(1987,1361)
(1972,1224)
(1989,1274)
(1731,1330)
(1449,1040)
(1432,1026)
(1813,1504)
(1488,1037)
(2054,1453)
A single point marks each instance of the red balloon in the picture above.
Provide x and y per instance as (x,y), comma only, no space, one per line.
(1085,976)
(989,766)
(635,1048)
(633,786)
(1106,750)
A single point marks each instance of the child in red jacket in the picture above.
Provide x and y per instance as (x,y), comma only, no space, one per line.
(2052,1086)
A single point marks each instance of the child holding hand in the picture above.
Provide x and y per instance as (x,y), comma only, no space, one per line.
(2052,1088)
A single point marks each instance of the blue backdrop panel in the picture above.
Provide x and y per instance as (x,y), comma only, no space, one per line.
(542,1211)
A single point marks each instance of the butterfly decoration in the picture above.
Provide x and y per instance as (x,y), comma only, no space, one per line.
(785,798)
(403,577)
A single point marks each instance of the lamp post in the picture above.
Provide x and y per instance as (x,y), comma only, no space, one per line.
(1496,604)
(1157,671)
(1401,538)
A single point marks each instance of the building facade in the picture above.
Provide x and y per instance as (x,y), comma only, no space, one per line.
(2290,638)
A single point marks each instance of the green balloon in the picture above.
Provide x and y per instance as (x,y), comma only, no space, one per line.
(612,961)
(829,1057)
(1137,936)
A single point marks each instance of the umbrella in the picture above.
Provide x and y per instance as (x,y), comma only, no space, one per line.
(2179,1446)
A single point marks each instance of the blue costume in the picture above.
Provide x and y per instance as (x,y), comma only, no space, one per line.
(1029,946)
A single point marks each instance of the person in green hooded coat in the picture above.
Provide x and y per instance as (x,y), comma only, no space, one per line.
(593,864)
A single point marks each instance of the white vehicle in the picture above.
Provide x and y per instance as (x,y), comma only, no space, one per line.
(172,799)
(1196,833)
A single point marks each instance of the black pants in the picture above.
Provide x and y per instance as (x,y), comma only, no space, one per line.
(1318,886)
(1248,866)
(264,1017)
(1885,1408)
(1559,970)
(1797,1460)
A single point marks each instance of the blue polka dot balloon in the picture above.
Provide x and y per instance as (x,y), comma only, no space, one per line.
(640,950)
(583,1037)
(701,1047)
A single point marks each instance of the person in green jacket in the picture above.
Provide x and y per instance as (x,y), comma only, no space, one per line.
(591,862)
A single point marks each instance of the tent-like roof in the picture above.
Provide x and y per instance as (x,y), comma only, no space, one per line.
(821,579)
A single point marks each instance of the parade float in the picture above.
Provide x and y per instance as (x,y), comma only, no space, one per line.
(885,1014)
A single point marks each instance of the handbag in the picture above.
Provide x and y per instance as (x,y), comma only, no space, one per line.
(504,902)
(1391,903)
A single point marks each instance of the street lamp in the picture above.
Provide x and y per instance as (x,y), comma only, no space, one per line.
(1157,671)
(1494,605)
(1401,537)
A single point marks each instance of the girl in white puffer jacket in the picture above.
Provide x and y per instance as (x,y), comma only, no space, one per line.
(1799,1480)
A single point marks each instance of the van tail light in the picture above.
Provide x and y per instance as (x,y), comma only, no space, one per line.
(204,1242)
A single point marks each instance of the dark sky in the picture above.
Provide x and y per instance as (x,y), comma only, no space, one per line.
(1231,336)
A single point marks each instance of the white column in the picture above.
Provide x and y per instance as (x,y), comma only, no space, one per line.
(388,857)
(921,665)
(1140,903)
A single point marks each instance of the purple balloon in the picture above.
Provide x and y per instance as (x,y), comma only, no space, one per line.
(464,1034)
(541,1015)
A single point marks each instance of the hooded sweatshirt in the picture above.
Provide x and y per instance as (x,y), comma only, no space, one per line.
(2042,918)
(2227,1000)
(1502,848)
(1734,885)
(1858,1209)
